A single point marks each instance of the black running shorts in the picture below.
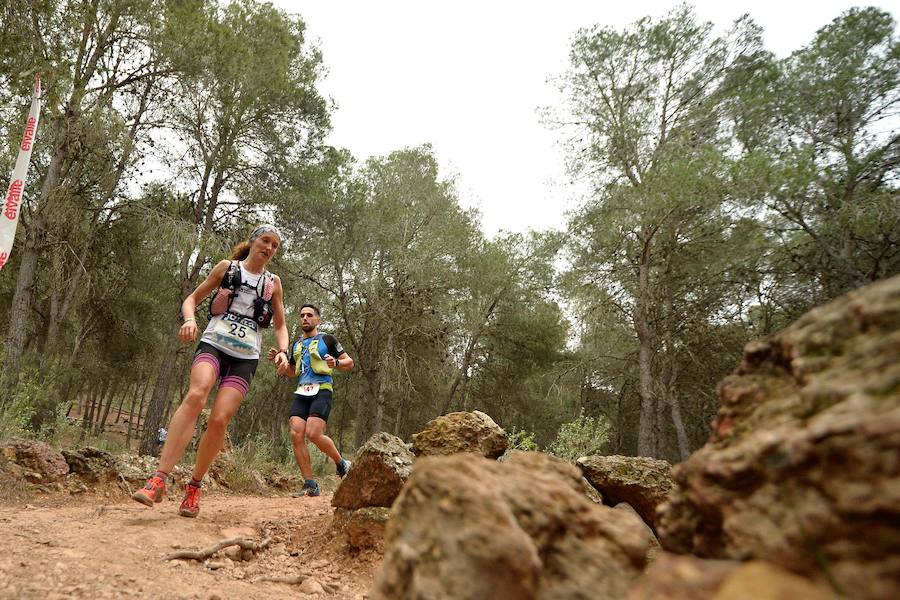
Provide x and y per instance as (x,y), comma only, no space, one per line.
(233,372)
(312,406)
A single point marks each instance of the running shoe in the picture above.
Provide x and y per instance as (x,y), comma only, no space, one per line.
(190,506)
(310,488)
(343,468)
(153,492)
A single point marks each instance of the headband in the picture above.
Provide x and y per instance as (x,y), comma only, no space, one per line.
(264,229)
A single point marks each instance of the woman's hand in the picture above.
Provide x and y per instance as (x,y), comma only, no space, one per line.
(188,331)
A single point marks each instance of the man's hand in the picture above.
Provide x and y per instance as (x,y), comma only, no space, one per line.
(330,361)
(271,354)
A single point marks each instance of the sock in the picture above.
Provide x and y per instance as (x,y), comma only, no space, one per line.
(194,483)
(162,475)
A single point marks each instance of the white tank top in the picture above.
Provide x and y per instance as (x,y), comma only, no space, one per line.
(235,333)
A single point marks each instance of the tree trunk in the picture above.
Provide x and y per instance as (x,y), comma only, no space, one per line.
(367,421)
(20,310)
(646,444)
(112,400)
(106,400)
(157,406)
(684,447)
(135,421)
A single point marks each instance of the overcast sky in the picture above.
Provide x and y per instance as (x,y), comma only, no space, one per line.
(469,77)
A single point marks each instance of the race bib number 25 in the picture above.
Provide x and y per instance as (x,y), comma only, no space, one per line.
(237,333)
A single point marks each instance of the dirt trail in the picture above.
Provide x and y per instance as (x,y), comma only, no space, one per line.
(95,548)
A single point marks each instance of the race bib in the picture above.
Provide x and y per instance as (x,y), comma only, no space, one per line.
(238,334)
(307,389)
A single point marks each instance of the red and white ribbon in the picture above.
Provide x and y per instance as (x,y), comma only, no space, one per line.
(9,212)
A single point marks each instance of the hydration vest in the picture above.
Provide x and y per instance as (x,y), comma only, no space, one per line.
(318,370)
(221,300)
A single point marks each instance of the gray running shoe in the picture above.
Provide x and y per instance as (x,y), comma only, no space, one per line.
(310,488)
(343,468)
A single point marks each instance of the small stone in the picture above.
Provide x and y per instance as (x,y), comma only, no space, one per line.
(278,548)
(235,553)
(311,586)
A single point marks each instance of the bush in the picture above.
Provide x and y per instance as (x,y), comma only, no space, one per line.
(582,437)
(17,413)
(521,439)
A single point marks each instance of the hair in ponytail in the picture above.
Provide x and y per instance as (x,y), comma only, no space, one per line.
(241,251)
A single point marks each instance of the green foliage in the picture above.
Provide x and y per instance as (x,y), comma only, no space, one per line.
(520,439)
(17,413)
(582,437)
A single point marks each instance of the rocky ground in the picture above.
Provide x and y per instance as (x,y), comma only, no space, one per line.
(107,546)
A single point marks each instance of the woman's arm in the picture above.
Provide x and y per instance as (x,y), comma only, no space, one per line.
(188,331)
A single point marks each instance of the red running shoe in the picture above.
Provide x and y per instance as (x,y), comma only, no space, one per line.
(190,506)
(152,493)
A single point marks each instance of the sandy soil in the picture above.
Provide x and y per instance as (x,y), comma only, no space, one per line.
(112,547)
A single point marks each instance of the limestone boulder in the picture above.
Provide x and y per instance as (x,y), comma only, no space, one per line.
(35,461)
(361,529)
(467,527)
(654,548)
(642,482)
(133,472)
(460,432)
(91,464)
(676,577)
(381,468)
(803,465)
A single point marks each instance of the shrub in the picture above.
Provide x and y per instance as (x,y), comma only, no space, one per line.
(521,439)
(582,437)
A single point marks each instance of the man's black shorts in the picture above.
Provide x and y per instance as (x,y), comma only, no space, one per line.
(312,406)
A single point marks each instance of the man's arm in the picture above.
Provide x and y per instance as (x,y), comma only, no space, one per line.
(343,362)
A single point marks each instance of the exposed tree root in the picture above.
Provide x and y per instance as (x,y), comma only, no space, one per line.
(295,580)
(205,553)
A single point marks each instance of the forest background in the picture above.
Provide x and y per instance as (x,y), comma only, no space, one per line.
(730,191)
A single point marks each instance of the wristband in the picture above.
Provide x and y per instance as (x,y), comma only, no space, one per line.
(189,319)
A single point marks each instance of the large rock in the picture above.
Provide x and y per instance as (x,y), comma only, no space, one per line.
(361,529)
(803,466)
(460,432)
(37,462)
(643,483)
(92,464)
(381,468)
(466,527)
(654,548)
(689,578)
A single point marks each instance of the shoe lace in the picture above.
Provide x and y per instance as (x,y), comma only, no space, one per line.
(192,497)
(155,483)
